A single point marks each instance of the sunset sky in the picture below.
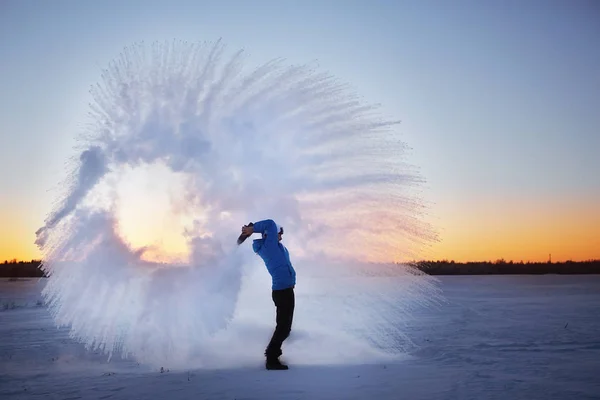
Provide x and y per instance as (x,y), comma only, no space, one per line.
(499,100)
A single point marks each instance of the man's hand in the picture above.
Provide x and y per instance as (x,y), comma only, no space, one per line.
(247,230)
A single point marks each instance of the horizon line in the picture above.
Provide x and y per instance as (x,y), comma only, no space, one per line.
(444,260)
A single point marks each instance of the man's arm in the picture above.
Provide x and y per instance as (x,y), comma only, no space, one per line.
(269,228)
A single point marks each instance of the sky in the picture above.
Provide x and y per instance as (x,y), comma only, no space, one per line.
(499,101)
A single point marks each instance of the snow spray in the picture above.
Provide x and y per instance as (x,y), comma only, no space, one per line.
(184,140)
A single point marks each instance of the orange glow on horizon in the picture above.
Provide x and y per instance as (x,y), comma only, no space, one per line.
(480,230)
(476,230)
(17,236)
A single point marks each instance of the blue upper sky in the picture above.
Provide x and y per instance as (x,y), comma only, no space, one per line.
(497,98)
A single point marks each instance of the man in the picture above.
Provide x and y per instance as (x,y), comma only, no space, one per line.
(277,260)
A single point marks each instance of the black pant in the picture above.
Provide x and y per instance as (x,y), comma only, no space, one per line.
(284,302)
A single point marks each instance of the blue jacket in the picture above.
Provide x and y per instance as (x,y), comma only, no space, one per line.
(275,255)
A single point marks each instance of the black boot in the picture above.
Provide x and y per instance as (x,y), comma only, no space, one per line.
(275,364)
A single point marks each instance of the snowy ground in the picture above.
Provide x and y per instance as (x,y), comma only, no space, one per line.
(498,337)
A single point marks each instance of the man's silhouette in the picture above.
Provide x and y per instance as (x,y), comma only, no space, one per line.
(277,260)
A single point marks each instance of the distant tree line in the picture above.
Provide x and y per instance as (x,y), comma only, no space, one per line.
(502,267)
(31,269)
(21,269)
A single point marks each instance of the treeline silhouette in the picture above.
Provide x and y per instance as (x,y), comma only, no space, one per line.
(21,269)
(31,269)
(502,267)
